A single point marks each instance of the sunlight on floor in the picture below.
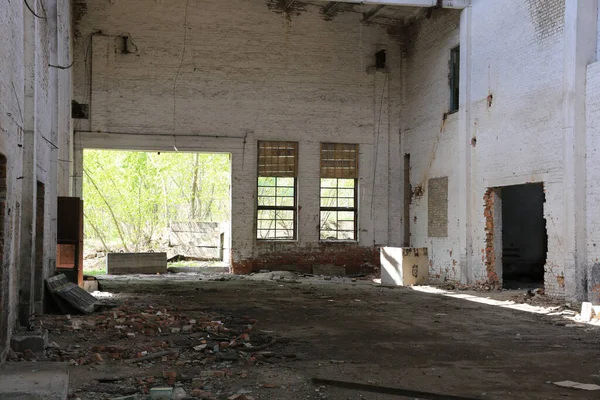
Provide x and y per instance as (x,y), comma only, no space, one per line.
(555,311)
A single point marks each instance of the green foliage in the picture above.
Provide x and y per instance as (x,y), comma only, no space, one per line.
(130,197)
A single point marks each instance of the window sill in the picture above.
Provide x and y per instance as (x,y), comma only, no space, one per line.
(330,241)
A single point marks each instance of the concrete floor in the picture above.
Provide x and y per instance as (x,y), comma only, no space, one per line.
(363,333)
(34,381)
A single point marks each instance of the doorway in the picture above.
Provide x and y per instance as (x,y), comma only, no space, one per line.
(39,246)
(4,316)
(176,203)
(524,236)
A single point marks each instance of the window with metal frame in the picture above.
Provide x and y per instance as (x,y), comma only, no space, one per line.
(277,182)
(339,192)
(454,78)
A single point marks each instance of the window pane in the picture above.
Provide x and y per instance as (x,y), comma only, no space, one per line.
(328,182)
(328,202)
(265,224)
(345,235)
(265,234)
(266,214)
(337,224)
(285,181)
(346,193)
(285,202)
(346,183)
(285,214)
(345,225)
(273,223)
(266,181)
(346,202)
(346,216)
(285,191)
(266,191)
(266,201)
(328,235)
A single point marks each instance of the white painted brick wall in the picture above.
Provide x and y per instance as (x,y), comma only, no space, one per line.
(249,71)
(430,139)
(12,117)
(593,163)
(519,138)
(517,56)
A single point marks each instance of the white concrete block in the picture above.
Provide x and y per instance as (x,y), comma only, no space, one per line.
(136,263)
(586,311)
(404,266)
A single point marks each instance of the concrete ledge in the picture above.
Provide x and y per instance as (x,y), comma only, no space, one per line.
(136,263)
(34,381)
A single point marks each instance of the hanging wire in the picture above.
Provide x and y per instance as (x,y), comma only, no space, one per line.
(185,29)
(61,66)
(33,12)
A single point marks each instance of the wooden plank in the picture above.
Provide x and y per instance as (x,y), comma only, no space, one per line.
(69,296)
(355,386)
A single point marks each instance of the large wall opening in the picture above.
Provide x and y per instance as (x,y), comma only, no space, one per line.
(147,202)
(39,245)
(3,264)
(524,236)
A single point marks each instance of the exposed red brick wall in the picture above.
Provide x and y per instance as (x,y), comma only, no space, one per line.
(490,253)
(354,258)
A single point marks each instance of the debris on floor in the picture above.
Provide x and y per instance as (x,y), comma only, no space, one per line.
(183,351)
(577,385)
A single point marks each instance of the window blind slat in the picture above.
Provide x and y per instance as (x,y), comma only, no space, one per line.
(339,160)
(278,159)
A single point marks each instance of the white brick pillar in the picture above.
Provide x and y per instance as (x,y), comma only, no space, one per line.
(580,50)
(464,149)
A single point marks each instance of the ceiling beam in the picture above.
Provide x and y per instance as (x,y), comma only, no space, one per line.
(368,16)
(457,4)
(331,7)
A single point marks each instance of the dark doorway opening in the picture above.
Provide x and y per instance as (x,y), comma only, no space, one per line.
(524,236)
(39,246)
(4,322)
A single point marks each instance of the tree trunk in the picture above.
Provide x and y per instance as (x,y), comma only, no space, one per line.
(194,187)
(100,236)
(114,217)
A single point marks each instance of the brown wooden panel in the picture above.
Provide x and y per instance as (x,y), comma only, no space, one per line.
(278,159)
(339,160)
(70,232)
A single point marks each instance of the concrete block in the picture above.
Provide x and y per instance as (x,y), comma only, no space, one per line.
(35,341)
(90,286)
(404,266)
(328,269)
(586,311)
(136,263)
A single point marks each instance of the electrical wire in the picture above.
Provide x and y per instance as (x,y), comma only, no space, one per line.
(185,28)
(61,66)
(33,12)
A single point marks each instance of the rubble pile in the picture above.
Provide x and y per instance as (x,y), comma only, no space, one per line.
(194,351)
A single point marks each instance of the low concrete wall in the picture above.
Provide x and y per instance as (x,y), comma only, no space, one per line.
(136,263)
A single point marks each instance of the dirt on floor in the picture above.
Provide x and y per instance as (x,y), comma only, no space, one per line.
(269,336)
